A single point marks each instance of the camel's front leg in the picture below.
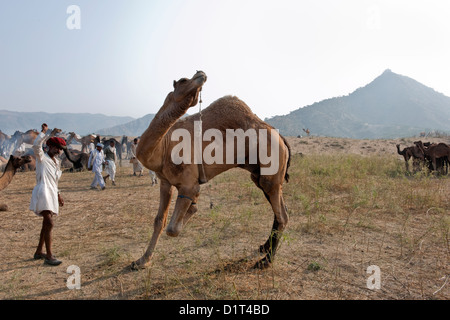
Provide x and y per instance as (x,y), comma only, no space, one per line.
(166,191)
(280,222)
(183,209)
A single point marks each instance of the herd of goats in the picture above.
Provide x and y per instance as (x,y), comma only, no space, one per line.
(75,157)
(434,156)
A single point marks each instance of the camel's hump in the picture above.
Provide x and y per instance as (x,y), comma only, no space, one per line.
(228,111)
(230,106)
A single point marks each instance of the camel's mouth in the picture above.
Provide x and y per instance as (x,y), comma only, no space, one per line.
(200,75)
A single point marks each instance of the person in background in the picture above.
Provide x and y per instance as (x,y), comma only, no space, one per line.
(91,147)
(45,198)
(110,157)
(153,177)
(96,160)
(137,165)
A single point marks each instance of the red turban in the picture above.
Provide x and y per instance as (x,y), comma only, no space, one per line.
(57,142)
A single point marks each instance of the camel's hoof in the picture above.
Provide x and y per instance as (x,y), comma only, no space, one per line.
(135,266)
(262,264)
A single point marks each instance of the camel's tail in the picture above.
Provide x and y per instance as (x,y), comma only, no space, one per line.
(286,175)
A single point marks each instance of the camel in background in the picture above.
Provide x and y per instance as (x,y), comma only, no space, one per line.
(78,159)
(411,152)
(306,131)
(13,164)
(434,152)
(154,152)
(85,141)
(127,141)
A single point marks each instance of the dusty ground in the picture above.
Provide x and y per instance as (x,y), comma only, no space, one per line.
(338,228)
(314,145)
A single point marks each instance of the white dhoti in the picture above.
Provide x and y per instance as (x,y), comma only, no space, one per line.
(111,169)
(98,179)
(96,161)
(137,166)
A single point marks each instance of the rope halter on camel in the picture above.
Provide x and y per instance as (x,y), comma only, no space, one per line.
(202,175)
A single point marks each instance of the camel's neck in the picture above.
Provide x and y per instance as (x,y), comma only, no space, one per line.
(7,176)
(421,148)
(400,152)
(71,138)
(69,156)
(150,148)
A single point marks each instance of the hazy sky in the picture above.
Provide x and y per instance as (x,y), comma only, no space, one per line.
(277,56)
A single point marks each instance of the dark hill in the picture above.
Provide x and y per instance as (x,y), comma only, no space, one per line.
(390,106)
(133,128)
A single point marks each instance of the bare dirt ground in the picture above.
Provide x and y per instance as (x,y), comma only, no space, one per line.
(314,145)
(341,222)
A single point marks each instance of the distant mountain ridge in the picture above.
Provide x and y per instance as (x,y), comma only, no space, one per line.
(391,106)
(81,123)
(133,128)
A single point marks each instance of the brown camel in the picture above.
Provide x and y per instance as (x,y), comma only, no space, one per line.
(411,152)
(10,170)
(29,166)
(85,141)
(29,136)
(155,152)
(306,131)
(78,159)
(435,152)
(126,144)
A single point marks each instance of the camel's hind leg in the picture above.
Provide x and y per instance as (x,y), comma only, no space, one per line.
(273,192)
(166,191)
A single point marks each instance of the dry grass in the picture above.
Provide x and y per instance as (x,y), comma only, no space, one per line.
(347,212)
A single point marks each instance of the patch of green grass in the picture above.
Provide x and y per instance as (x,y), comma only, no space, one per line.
(314,266)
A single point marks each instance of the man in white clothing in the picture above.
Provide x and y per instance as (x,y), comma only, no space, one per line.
(137,165)
(96,160)
(45,198)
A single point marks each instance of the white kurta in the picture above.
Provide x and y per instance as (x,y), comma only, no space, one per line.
(45,193)
(96,160)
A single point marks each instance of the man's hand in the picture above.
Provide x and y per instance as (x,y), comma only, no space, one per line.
(60,200)
(44,128)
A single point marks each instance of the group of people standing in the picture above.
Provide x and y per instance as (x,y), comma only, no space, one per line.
(46,198)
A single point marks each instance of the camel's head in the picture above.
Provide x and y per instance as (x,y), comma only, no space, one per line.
(17,162)
(187,90)
(56,131)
